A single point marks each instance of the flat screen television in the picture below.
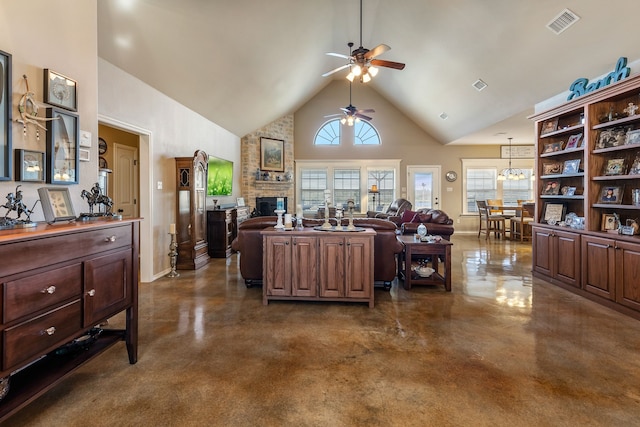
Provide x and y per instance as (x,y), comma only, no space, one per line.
(219,177)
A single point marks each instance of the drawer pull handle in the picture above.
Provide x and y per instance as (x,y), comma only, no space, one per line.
(110,239)
(49,331)
(91,293)
(51,289)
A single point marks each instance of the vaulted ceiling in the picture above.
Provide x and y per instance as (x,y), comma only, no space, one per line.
(245,63)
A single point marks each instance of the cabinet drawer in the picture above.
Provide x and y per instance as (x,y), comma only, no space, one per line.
(31,339)
(50,250)
(34,293)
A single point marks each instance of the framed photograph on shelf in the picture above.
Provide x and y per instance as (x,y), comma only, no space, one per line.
(60,91)
(552,147)
(612,137)
(611,194)
(609,222)
(553,213)
(240,201)
(549,126)
(62,146)
(571,166)
(573,142)
(553,168)
(635,166)
(633,137)
(5,116)
(56,204)
(615,167)
(272,154)
(30,166)
(551,188)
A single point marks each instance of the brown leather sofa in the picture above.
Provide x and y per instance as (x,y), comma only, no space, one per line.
(436,221)
(395,209)
(249,244)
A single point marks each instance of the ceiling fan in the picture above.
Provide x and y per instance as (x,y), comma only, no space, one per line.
(352,114)
(362,61)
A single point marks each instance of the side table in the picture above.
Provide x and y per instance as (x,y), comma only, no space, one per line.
(437,251)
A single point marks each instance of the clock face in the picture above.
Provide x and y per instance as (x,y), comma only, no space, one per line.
(451,176)
(102,146)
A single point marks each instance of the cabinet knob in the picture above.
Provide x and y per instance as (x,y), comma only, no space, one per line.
(91,293)
(51,289)
(110,239)
(286,243)
(340,243)
(49,331)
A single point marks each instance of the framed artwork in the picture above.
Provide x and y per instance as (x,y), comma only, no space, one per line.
(240,201)
(549,126)
(568,191)
(611,194)
(573,142)
(272,154)
(62,146)
(553,213)
(633,137)
(551,168)
(615,167)
(551,188)
(60,91)
(612,137)
(30,166)
(571,166)
(552,147)
(5,116)
(609,222)
(56,204)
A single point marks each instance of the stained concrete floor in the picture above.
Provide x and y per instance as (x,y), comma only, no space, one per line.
(502,349)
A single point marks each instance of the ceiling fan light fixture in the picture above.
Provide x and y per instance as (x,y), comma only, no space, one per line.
(373,71)
(351,76)
(365,78)
(356,70)
(343,120)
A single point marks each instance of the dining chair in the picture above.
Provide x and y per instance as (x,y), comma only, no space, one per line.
(490,222)
(521,224)
(495,202)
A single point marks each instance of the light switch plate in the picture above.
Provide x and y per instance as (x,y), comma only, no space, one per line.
(85,138)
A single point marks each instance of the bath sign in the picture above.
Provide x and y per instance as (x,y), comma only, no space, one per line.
(582,86)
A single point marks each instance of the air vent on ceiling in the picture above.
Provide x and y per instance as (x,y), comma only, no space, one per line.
(479,85)
(444,116)
(564,20)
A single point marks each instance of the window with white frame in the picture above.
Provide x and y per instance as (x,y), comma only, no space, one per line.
(328,134)
(481,182)
(385,181)
(346,180)
(363,133)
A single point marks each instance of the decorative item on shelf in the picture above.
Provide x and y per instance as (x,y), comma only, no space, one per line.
(633,137)
(574,142)
(511,173)
(258,174)
(288,176)
(611,194)
(549,126)
(635,197)
(551,188)
(339,215)
(350,207)
(635,166)
(95,197)
(609,223)
(215,204)
(266,176)
(631,228)
(553,213)
(15,204)
(571,166)
(422,230)
(552,168)
(615,167)
(631,109)
(279,224)
(327,202)
(613,137)
(552,147)
(173,251)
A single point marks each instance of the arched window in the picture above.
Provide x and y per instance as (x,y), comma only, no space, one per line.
(328,134)
(365,134)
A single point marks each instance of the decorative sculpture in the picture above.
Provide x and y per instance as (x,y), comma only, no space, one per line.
(28,109)
(15,204)
(95,197)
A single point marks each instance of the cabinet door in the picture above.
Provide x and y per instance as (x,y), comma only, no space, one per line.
(107,286)
(332,263)
(304,267)
(598,266)
(542,250)
(359,267)
(566,257)
(277,265)
(628,274)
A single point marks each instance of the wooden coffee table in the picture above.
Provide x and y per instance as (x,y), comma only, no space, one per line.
(437,251)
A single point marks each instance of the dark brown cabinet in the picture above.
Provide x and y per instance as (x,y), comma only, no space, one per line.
(191,226)
(53,296)
(557,255)
(222,228)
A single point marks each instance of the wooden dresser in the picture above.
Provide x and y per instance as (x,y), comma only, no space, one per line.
(222,228)
(318,265)
(58,282)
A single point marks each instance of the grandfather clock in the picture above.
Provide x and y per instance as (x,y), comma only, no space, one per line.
(191,214)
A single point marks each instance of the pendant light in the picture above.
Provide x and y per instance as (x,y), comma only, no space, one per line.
(511,173)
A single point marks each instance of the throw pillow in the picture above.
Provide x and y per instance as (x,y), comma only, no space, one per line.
(407,216)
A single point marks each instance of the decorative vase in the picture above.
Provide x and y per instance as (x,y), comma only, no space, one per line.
(422,230)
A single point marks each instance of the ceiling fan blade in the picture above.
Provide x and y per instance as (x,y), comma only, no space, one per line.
(388,64)
(334,115)
(362,116)
(378,50)
(335,70)
(339,55)
(366,110)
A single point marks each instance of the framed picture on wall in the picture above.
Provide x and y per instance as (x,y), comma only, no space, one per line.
(272,154)
(62,146)
(5,116)
(30,166)
(60,90)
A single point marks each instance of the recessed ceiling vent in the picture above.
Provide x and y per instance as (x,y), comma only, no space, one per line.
(479,85)
(564,20)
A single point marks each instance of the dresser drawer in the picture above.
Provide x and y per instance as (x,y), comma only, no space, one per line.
(48,250)
(39,291)
(33,338)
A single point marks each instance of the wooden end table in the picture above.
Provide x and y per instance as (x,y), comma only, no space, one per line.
(436,250)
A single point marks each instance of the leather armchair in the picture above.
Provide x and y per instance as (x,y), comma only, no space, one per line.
(395,209)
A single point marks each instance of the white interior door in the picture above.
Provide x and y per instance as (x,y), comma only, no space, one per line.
(423,186)
(125,180)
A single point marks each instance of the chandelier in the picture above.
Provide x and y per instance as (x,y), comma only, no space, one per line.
(511,173)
